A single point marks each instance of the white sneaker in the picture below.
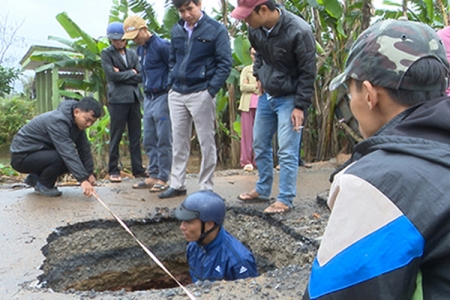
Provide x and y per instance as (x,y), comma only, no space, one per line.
(248,167)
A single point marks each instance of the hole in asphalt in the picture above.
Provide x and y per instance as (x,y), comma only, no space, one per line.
(100,255)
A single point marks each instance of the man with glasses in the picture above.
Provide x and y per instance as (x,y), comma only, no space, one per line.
(123,74)
(200,62)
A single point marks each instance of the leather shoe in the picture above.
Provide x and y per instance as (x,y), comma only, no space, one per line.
(171,192)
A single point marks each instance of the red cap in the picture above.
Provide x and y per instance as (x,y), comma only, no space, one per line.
(245,8)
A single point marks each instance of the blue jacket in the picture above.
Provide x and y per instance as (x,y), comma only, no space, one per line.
(224,258)
(154,58)
(201,62)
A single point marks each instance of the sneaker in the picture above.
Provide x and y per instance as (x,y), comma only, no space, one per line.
(248,167)
(31,179)
(45,191)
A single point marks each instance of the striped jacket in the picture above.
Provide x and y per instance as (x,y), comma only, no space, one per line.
(388,236)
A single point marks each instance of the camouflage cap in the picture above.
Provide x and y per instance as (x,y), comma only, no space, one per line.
(384,52)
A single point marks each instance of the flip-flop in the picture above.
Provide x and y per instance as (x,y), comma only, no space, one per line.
(158,187)
(141,175)
(249,198)
(115,178)
(275,209)
(142,185)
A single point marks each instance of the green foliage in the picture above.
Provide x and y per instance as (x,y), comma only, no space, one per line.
(99,136)
(6,170)
(241,51)
(13,115)
(7,77)
(433,13)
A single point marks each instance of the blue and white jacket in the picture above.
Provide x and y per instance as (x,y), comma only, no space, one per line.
(388,236)
(224,258)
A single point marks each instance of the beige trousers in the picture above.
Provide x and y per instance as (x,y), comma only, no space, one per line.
(199,107)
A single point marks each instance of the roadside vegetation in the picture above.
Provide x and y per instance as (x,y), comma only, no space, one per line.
(335,24)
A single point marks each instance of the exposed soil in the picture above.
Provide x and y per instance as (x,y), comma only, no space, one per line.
(81,259)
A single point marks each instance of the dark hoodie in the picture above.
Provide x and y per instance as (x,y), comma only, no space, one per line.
(56,130)
(388,235)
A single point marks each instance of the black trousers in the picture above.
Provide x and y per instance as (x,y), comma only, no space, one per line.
(47,164)
(122,115)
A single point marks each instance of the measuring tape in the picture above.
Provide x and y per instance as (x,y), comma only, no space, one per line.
(152,256)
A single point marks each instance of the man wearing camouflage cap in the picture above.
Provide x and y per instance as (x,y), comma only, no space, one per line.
(388,234)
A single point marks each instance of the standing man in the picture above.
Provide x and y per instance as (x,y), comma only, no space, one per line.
(388,234)
(212,253)
(154,57)
(123,73)
(285,67)
(200,62)
(55,143)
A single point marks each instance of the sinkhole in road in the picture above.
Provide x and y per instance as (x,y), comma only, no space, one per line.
(100,255)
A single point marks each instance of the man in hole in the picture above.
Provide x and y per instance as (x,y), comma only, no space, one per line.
(212,253)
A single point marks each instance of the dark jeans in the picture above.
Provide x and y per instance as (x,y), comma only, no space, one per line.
(122,115)
(158,136)
(47,164)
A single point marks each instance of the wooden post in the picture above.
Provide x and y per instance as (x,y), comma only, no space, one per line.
(55,89)
(235,144)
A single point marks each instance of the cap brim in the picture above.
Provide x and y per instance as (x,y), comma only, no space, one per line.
(240,13)
(130,34)
(183,214)
(338,81)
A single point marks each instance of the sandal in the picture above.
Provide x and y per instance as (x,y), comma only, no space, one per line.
(252,196)
(306,165)
(115,178)
(141,175)
(277,208)
(144,184)
(159,187)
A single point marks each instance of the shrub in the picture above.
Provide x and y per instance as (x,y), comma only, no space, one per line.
(14,114)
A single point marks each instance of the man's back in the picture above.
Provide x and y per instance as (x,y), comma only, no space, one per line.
(389,223)
(39,133)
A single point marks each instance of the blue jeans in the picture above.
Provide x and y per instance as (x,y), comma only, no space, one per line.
(274,115)
(158,136)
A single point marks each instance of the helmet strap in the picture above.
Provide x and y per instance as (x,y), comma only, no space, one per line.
(205,234)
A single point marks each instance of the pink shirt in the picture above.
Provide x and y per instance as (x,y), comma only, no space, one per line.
(444,34)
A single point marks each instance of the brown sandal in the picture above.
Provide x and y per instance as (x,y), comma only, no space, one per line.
(277,208)
(115,178)
(159,188)
(252,196)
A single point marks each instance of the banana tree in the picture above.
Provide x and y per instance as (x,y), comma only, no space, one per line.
(83,52)
(433,13)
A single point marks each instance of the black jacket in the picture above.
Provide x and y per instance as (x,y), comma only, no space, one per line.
(123,85)
(56,130)
(285,61)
